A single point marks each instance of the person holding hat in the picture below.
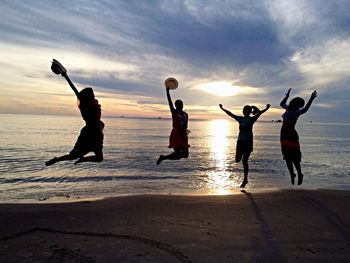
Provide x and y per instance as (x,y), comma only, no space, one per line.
(91,136)
(178,138)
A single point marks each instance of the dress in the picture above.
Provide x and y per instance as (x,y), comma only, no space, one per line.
(91,135)
(178,137)
(289,138)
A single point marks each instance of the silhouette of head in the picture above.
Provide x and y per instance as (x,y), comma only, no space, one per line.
(295,104)
(179,105)
(247,110)
(255,110)
(87,94)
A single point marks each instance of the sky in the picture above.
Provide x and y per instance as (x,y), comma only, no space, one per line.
(235,52)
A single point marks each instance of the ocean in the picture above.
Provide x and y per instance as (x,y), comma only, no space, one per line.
(132,146)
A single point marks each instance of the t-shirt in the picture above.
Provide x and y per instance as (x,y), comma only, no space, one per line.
(291,117)
(183,118)
(245,127)
(180,120)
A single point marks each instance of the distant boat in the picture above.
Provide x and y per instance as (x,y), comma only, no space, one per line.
(159,118)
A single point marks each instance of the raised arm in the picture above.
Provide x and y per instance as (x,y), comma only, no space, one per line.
(64,74)
(228,112)
(283,103)
(59,69)
(171,106)
(308,104)
(260,112)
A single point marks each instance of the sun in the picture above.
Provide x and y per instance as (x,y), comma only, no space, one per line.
(219,88)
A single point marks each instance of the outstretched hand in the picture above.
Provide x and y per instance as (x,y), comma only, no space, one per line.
(268,106)
(314,95)
(288,92)
(220,105)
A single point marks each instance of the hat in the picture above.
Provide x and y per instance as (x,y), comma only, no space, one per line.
(57,67)
(171,83)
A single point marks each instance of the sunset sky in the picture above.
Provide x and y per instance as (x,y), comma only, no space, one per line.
(233,52)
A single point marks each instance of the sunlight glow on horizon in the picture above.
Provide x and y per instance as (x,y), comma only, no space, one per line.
(219,88)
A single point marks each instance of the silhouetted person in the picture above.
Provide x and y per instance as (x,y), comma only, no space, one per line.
(91,136)
(245,137)
(289,137)
(178,138)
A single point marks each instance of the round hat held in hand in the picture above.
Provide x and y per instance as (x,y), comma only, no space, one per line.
(171,83)
(57,67)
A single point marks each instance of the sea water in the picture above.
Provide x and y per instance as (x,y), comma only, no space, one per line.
(132,146)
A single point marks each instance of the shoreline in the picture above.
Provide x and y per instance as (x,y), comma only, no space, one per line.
(281,226)
(72,199)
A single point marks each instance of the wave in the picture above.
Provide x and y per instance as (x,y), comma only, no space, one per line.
(74,179)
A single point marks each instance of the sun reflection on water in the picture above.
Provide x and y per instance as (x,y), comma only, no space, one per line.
(220,180)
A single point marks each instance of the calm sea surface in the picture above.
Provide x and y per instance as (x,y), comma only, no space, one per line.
(132,146)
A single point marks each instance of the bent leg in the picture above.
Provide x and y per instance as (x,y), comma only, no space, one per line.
(238,157)
(98,157)
(176,155)
(184,153)
(246,168)
(300,174)
(60,159)
(172,156)
(291,170)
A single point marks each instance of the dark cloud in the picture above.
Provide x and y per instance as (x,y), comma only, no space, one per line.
(230,40)
(237,43)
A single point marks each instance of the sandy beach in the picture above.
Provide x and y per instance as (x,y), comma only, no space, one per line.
(276,226)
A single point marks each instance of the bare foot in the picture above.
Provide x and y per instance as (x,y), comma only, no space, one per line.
(243,184)
(292,178)
(51,162)
(160,159)
(300,178)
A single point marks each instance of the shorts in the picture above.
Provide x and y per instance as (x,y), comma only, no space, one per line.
(243,148)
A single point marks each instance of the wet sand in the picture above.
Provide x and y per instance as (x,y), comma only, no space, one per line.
(281,226)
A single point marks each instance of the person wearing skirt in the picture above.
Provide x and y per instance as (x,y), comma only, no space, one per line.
(178,139)
(289,138)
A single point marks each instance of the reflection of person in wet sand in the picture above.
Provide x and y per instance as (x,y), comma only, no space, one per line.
(178,138)
(245,137)
(91,136)
(289,137)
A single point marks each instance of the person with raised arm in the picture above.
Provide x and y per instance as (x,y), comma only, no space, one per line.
(244,145)
(178,138)
(289,137)
(91,136)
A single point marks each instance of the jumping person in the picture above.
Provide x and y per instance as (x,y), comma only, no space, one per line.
(178,138)
(289,137)
(91,136)
(245,137)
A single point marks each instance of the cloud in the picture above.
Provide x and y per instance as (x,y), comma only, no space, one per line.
(126,49)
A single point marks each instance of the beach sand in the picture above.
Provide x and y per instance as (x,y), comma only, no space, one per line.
(276,226)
